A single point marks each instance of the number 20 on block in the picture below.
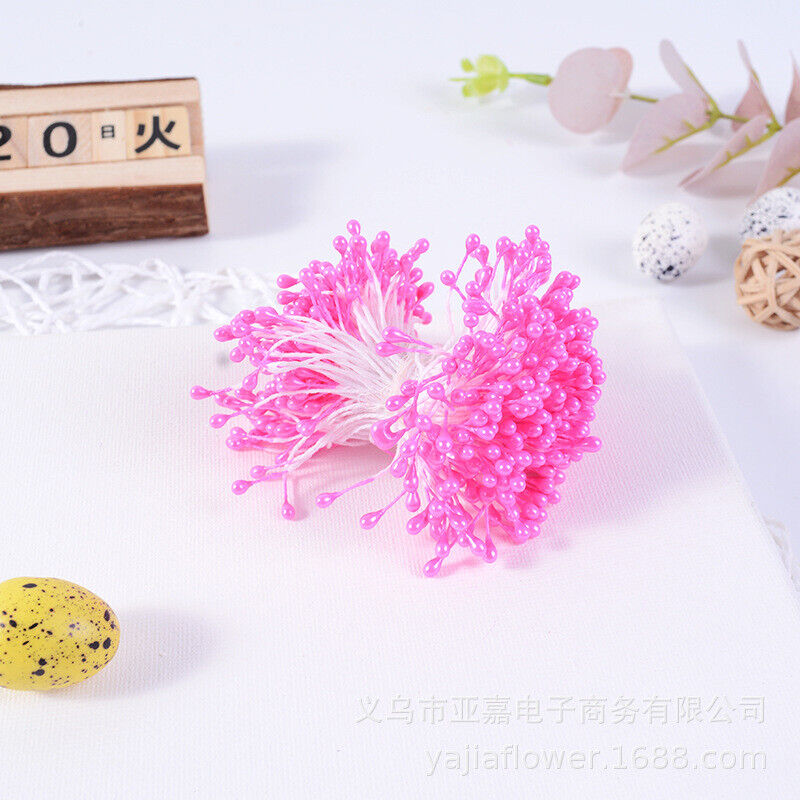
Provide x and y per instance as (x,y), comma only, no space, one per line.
(98,136)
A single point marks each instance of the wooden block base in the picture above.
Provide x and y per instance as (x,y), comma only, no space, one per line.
(101,162)
(86,216)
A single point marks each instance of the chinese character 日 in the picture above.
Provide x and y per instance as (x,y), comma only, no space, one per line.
(107,132)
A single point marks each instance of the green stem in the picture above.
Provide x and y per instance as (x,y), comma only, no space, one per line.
(714,115)
(540,78)
(691,132)
(643,98)
(771,131)
(731,117)
(790,173)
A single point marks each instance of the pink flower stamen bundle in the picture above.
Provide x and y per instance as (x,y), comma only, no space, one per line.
(481,431)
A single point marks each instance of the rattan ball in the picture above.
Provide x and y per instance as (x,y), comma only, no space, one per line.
(767,274)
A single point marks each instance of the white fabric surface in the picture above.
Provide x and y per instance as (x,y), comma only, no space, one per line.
(314,113)
(61,291)
(250,645)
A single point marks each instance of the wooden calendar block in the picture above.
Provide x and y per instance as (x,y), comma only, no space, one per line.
(99,162)
(158,132)
(109,136)
(59,139)
(13,142)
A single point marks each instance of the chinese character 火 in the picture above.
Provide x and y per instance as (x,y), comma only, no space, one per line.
(157,134)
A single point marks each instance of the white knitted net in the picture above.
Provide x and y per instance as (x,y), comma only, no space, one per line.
(61,291)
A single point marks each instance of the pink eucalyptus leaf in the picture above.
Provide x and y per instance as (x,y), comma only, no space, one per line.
(662,124)
(784,161)
(741,141)
(754,101)
(678,70)
(625,60)
(793,103)
(588,88)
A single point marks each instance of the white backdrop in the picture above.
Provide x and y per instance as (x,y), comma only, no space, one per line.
(265,659)
(316,113)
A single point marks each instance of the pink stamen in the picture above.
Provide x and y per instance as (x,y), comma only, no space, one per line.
(484,430)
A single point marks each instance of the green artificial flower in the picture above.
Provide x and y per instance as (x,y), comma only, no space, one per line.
(490,74)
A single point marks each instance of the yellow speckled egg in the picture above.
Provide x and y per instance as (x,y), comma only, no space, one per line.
(53,633)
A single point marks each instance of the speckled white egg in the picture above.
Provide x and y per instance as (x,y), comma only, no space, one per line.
(668,241)
(778,209)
